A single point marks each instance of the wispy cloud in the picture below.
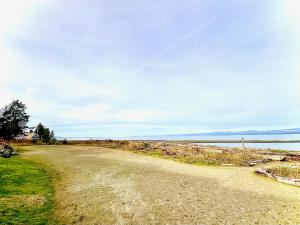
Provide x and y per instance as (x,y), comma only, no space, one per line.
(179,42)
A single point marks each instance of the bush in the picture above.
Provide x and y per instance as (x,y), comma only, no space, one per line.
(124,143)
(137,145)
(65,142)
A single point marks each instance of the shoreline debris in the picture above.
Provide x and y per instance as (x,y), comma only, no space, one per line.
(286,180)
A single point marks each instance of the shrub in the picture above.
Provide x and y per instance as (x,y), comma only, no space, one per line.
(65,142)
(137,145)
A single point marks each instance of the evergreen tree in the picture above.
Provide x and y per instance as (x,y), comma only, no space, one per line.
(44,133)
(13,120)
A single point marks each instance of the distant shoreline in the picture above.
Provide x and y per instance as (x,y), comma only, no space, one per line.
(236,141)
(275,136)
(188,141)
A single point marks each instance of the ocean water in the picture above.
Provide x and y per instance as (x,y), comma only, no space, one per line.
(275,146)
(224,137)
(279,146)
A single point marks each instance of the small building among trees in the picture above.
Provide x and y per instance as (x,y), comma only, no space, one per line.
(32,136)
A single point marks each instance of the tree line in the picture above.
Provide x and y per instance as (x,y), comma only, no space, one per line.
(14,120)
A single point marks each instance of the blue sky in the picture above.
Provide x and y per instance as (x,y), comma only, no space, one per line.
(122,68)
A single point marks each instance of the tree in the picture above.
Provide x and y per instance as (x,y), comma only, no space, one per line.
(40,131)
(44,133)
(46,137)
(52,136)
(13,120)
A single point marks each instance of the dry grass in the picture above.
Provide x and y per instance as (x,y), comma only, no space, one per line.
(225,157)
(183,152)
(17,201)
(201,154)
(192,154)
(284,171)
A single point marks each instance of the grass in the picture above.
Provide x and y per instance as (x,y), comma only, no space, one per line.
(223,158)
(25,192)
(197,155)
(279,151)
(207,158)
(284,171)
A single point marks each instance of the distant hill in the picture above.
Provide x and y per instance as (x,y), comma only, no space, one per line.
(250,132)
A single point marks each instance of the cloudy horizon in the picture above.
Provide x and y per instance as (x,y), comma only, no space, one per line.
(114,68)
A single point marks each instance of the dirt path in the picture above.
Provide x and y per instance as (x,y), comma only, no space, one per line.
(105,186)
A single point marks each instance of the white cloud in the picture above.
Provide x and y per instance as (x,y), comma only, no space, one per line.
(6,96)
(293,7)
(6,65)
(139,115)
(94,112)
(13,14)
(80,88)
(104,112)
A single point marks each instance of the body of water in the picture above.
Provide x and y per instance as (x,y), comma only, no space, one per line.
(280,146)
(275,146)
(224,137)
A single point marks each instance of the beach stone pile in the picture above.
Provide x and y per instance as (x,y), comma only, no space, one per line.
(6,151)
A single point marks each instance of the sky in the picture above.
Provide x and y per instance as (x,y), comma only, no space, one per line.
(112,68)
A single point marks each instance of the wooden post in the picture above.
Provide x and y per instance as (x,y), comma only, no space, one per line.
(243,145)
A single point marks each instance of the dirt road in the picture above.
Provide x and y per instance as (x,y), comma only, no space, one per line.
(106,186)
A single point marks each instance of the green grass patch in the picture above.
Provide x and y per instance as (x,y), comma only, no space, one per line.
(26,192)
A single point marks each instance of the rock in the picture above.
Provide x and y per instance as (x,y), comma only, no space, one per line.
(6,154)
(6,151)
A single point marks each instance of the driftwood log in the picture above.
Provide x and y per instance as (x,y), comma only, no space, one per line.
(286,180)
(294,157)
(259,161)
